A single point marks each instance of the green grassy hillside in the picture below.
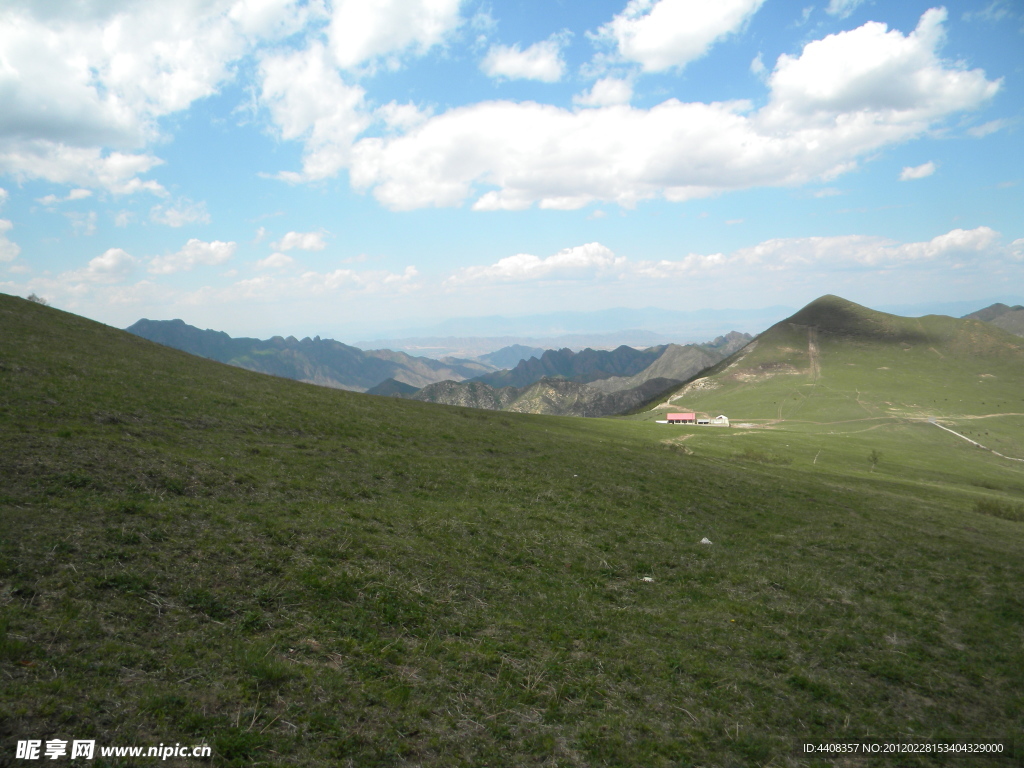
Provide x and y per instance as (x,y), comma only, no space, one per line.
(312,577)
(837,361)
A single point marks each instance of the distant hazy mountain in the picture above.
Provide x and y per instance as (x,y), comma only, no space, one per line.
(674,324)
(622,368)
(675,363)
(1011,321)
(990,313)
(1008,318)
(478,346)
(729,343)
(588,383)
(951,308)
(586,366)
(318,361)
(509,357)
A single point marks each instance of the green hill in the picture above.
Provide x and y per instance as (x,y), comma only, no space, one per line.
(393,388)
(303,576)
(836,361)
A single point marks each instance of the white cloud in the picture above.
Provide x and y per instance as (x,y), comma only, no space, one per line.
(958,242)
(100,75)
(663,34)
(3,196)
(123,218)
(8,250)
(112,266)
(368,281)
(274,19)
(845,96)
(691,264)
(310,285)
(308,100)
(74,194)
(842,8)
(194,253)
(401,117)
(757,66)
(995,11)
(593,262)
(983,130)
(180,213)
(302,241)
(361,32)
(1016,249)
(873,73)
(541,61)
(606,92)
(83,223)
(83,166)
(918,171)
(275,261)
(868,251)
(583,261)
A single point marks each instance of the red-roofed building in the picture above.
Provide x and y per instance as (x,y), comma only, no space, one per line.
(682,418)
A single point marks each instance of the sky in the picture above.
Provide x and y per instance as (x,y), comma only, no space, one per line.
(345,168)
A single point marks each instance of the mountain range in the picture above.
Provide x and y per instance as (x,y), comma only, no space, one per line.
(316,361)
(590,382)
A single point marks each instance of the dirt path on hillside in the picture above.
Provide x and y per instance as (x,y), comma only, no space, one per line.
(973,442)
(861,403)
(677,440)
(812,353)
(985,416)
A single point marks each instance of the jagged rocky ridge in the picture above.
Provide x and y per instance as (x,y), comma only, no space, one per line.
(317,361)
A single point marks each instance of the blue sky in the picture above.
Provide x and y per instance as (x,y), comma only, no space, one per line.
(345,168)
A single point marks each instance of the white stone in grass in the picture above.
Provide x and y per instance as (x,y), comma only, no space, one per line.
(705,540)
(646,578)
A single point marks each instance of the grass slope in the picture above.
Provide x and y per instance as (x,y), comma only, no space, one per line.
(835,360)
(312,577)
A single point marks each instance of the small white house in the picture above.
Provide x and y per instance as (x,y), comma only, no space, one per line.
(720,421)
